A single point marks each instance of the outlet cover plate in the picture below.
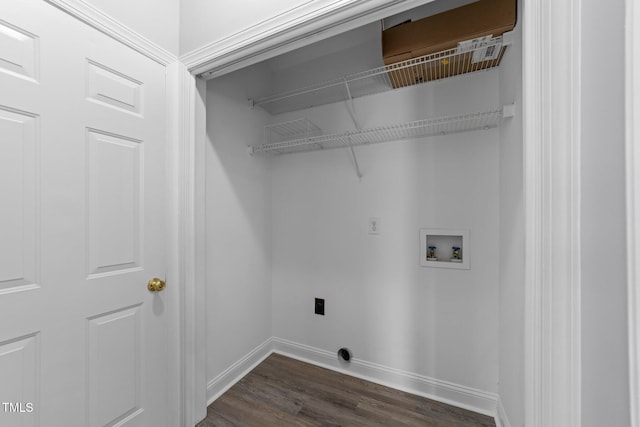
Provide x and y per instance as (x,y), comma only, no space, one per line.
(374,225)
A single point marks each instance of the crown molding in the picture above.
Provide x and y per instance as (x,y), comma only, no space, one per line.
(99,20)
(296,27)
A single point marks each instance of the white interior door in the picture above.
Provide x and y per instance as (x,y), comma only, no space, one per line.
(82,170)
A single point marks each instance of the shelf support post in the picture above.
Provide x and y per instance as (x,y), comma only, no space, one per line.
(351,106)
(352,112)
(355,160)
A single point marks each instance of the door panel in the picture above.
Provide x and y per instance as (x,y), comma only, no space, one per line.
(82,184)
(114,89)
(19,371)
(114,222)
(115,365)
(18,185)
(19,54)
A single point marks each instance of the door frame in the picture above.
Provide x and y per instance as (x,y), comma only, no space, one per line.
(552,41)
(632,157)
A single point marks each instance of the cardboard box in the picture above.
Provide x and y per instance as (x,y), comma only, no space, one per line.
(442,32)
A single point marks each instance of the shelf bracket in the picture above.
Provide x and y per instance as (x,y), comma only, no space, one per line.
(351,106)
(352,112)
(355,160)
(507,38)
(508,110)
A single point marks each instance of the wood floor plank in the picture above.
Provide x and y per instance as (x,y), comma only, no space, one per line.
(284,392)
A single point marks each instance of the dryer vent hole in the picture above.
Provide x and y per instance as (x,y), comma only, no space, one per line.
(344,354)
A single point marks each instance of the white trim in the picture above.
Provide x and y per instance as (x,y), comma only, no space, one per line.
(552,206)
(297,27)
(442,391)
(192,252)
(99,20)
(632,155)
(532,111)
(501,415)
(234,373)
(198,233)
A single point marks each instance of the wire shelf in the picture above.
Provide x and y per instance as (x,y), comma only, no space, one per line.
(411,130)
(292,130)
(468,57)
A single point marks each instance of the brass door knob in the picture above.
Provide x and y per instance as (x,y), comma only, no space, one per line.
(156,285)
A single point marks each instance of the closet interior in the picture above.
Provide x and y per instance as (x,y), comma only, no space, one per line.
(325,165)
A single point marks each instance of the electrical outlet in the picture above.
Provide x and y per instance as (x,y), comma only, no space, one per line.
(319,307)
(374,225)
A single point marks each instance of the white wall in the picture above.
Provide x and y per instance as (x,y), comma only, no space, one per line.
(238,234)
(605,396)
(512,259)
(329,59)
(157,20)
(379,302)
(202,22)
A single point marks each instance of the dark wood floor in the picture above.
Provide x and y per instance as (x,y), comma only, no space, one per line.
(285,392)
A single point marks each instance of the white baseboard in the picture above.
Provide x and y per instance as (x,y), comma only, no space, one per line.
(234,373)
(501,416)
(442,391)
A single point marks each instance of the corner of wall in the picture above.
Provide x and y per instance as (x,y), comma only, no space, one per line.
(234,373)
(501,415)
(512,229)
